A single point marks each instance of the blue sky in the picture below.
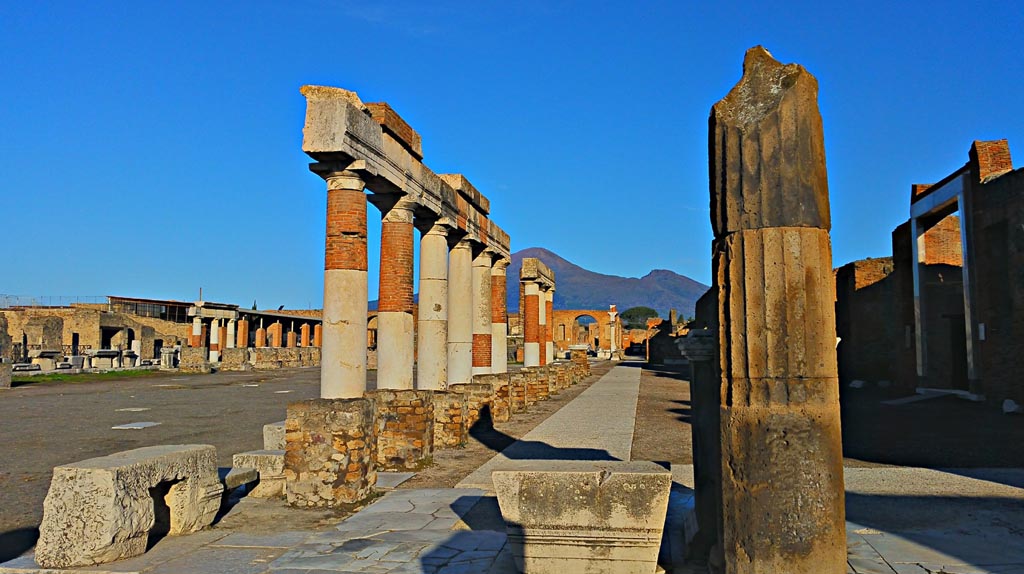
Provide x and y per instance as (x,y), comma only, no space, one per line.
(152,148)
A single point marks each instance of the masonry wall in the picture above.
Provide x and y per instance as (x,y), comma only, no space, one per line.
(866,321)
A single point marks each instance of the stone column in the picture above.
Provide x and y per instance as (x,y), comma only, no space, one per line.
(304,335)
(343,360)
(549,325)
(395,342)
(229,340)
(460,316)
(196,340)
(531,324)
(781,460)
(499,316)
(243,333)
(432,335)
(318,335)
(612,334)
(261,336)
(215,340)
(481,306)
(542,326)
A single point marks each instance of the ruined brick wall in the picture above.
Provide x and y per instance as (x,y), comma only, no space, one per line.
(565,329)
(943,244)
(865,320)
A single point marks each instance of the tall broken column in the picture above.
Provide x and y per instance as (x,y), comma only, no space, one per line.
(781,455)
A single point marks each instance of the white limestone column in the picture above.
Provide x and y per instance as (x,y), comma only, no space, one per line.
(499,316)
(549,331)
(432,334)
(343,358)
(482,264)
(542,322)
(395,329)
(215,340)
(230,343)
(611,330)
(531,318)
(460,316)
(197,332)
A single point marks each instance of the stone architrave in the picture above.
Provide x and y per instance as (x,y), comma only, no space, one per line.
(781,478)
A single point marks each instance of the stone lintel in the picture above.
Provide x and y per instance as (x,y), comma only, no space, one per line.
(466,189)
(393,124)
(534,269)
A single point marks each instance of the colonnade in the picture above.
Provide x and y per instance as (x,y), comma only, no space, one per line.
(219,333)
(538,288)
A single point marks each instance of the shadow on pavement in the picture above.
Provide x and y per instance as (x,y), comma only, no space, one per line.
(17,542)
(484,432)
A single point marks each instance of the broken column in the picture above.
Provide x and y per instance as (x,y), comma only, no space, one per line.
(215,341)
(432,334)
(343,362)
(460,316)
(499,317)
(481,309)
(781,472)
(395,344)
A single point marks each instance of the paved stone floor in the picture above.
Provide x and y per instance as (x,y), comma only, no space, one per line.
(900,520)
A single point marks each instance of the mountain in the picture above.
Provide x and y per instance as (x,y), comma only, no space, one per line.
(579,288)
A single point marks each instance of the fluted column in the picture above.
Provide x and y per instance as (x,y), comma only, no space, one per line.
(460,315)
(432,329)
(343,362)
(531,324)
(549,325)
(395,329)
(499,316)
(482,264)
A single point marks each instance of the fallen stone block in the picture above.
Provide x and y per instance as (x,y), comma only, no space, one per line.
(605,516)
(273,436)
(105,509)
(269,464)
(235,477)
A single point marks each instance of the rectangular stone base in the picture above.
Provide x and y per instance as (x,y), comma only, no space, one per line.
(405,428)
(330,447)
(605,516)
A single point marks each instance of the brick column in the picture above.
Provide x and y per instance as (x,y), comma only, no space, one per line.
(243,334)
(291,340)
(482,264)
(276,334)
(261,336)
(229,340)
(549,325)
(432,330)
(395,342)
(196,339)
(531,324)
(215,340)
(460,316)
(304,335)
(499,316)
(318,334)
(343,360)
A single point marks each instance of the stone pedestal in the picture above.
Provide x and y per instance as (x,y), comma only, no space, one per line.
(404,426)
(585,516)
(330,448)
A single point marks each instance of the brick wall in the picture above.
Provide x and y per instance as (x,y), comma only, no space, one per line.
(346,230)
(865,320)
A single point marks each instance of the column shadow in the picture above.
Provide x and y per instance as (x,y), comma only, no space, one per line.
(484,432)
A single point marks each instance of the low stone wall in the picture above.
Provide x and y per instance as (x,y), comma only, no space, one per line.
(450,429)
(478,396)
(537,388)
(194,360)
(404,426)
(517,392)
(234,360)
(499,399)
(265,358)
(330,449)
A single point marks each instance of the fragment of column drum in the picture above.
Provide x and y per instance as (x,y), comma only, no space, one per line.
(330,448)
(103,509)
(405,427)
(603,516)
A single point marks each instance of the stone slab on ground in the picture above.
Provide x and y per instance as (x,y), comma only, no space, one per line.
(596,425)
(391,480)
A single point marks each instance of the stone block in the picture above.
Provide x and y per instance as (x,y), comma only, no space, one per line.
(450,429)
(191,360)
(266,358)
(273,436)
(237,476)
(404,427)
(578,516)
(478,397)
(269,464)
(5,374)
(104,509)
(330,449)
(234,360)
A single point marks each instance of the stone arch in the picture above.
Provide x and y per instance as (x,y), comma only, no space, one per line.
(564,328)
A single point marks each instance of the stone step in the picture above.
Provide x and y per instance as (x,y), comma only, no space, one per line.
(269,464)
(273,436)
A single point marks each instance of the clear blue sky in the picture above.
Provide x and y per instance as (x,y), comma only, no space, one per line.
(150,148)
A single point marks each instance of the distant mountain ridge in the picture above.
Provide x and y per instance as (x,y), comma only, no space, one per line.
(579,288)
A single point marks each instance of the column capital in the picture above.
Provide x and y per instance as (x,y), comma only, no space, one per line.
(500,265)
(339,176)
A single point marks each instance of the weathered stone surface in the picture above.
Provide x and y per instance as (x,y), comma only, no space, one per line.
(500,401)
(537,388)
(273,436)
(270,466)
(517,391)
(450,428)
(193,360)
(477,397)
(330,449)
(235,359)
(404,427)
(776,488)
(5,374)
(767,150)
(603,516)
(103,509)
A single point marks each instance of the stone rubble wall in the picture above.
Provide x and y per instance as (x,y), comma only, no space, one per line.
(194,360)
(404,423)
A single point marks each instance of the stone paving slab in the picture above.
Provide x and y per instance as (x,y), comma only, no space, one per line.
(596,425)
